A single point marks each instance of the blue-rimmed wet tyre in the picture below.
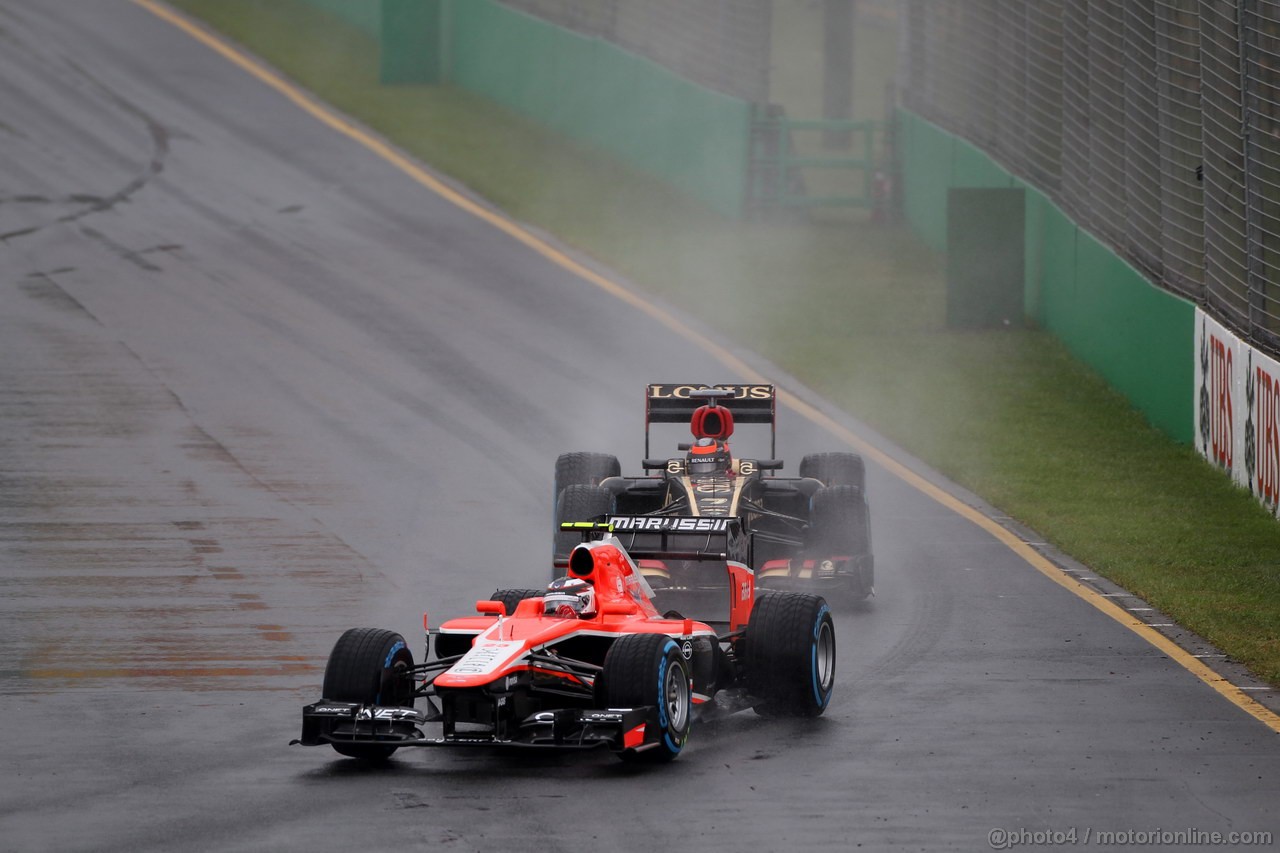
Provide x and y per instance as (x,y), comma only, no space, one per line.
(790,654)
(371,666)
(648,669)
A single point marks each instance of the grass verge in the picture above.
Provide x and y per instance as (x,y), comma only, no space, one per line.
(856,312)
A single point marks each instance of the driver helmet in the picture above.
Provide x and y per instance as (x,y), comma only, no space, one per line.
(569,597)
(709,456)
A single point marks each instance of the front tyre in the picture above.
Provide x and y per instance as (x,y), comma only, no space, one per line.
(577,503)
(370,666)
(648,669)
(586,469)
(790,654)
(835,469)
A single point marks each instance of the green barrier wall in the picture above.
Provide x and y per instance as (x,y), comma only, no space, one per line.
(365,14)
(1038,264)
(926,176)
(408,32)
(1137,336)
(585,88)
(590,90)
(412,41)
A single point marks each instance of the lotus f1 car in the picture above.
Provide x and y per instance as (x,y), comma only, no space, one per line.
(589,663)
(807,533)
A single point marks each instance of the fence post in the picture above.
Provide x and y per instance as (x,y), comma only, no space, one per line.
(1255,230)
(837,62)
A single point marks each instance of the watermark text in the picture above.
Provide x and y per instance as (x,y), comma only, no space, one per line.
(1002,838)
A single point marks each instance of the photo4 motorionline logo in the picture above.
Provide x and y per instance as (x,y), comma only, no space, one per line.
(1006,839)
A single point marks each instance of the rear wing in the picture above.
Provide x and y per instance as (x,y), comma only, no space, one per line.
(671,537)
(749,404)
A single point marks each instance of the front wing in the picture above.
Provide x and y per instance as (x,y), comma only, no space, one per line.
(840,574)
(570,728)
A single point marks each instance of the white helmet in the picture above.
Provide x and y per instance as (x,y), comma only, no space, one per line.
(570,597)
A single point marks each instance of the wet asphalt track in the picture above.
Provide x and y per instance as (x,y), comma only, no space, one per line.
(256,387)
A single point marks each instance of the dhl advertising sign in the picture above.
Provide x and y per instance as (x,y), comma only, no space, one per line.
(1238,410)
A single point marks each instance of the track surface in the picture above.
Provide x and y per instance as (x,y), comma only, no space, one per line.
(256,387)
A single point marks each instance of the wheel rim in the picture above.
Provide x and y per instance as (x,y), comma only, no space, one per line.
(676,697)
(397,690)
(824,657)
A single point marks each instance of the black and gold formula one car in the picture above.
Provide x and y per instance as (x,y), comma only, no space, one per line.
(808,533)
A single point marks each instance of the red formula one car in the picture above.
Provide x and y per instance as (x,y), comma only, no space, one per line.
(588,663)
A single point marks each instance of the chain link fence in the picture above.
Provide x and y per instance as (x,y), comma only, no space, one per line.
(1154,123)
(720,44)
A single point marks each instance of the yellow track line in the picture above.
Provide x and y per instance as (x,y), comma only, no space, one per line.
(336,121)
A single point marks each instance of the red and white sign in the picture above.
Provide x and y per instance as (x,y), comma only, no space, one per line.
(1264,375)
(1237,409)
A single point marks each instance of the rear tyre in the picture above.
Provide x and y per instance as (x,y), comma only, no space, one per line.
(577,502)
(648,669)
(840,526)
(512,597)
(835,469)
(839,523)
(370,666)
(790,654)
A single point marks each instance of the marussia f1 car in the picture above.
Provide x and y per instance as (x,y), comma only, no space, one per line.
(588,663)
(810,533)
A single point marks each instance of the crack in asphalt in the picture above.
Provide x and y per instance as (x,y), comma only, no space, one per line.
(97,204)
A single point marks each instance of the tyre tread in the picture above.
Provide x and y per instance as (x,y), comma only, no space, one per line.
(840,520)
(577,502)
(835,469)
(512,597)
(355,673)
(630,671)
(584,468)
(777,650)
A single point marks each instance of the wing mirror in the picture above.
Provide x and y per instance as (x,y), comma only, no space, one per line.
(491,608)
